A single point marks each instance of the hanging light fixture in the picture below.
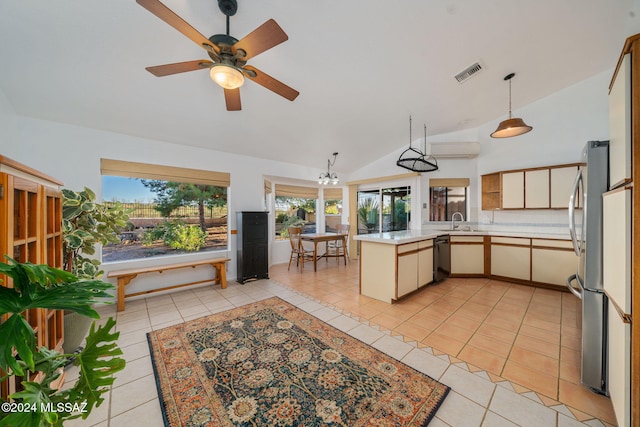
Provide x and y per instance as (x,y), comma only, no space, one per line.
(511,126)
(227,76)
(414,159)
(328,177)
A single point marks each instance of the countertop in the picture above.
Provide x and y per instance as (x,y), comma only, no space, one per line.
(410,236)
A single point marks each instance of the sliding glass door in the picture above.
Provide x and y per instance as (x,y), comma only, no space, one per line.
(384,209)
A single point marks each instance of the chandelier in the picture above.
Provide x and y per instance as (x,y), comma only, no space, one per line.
(329,177)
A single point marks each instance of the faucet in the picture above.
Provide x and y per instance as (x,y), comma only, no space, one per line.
(453,220)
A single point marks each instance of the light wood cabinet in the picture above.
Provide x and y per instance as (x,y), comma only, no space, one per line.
(491,191)
(467,255)
(619,360)
(389,272)
(546,187)
(552,261)
(620,124)
(425,262)
(562,179)
(511,257)
(31,231)
(536,189)
(512,190)
(407,269)
(616,253)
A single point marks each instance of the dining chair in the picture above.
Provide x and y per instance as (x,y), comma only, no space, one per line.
(298,251)
(336,248)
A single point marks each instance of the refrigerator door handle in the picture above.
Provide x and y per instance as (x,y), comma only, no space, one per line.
(571,288)
(572,213)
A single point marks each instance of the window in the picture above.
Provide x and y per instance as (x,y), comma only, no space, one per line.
(447,196)
(173,210)
(295,206)
(332,208)
(390,207)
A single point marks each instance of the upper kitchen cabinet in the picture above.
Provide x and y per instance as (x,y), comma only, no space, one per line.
(546,187)
(562,179)
(513,190)
(536,189)
(491,191)
(620,124)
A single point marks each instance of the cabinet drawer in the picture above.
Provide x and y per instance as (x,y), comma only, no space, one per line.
(466,239)
(425,244)
(521,241)
(409,247)
(552,243)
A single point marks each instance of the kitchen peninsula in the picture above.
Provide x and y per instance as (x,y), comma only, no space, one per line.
(394,264)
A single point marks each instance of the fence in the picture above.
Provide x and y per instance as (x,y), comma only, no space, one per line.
(147,210)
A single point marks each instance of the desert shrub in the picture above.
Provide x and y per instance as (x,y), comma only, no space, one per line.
(177,235)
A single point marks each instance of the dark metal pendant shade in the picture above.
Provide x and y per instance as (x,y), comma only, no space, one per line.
(414,159)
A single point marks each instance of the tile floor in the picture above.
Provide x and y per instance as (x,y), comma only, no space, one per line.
(509,352)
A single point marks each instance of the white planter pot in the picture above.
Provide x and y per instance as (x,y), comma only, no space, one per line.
(76,327)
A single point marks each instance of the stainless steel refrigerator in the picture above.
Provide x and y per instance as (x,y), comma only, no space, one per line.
(585,227)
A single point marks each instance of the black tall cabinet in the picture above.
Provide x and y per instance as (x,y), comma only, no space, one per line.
(253,246)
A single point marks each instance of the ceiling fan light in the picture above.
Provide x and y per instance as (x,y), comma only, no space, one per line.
(511,127)
(226,76)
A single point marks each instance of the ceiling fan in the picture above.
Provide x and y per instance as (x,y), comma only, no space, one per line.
(228,55)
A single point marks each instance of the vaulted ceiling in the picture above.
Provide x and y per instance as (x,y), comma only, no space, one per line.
(362,67)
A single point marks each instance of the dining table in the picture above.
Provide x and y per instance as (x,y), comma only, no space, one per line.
(324,237)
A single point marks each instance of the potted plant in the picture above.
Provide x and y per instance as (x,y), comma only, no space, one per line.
(84,224)
(37,403)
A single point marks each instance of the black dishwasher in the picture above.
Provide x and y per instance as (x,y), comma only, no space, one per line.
(441,258)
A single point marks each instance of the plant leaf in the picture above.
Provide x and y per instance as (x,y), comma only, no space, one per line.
(17,334)
(98,363)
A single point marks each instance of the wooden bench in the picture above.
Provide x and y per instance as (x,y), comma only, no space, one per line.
(125,276)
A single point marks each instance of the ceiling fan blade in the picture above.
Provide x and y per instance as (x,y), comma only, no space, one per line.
(179,67)
(270,83)
(168,16)
(232,98)
(262,38)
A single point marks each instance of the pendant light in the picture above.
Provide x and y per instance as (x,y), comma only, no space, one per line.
(329,177)
(511,126)
(414,159)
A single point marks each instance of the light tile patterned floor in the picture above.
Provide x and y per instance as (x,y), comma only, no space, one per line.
(509,352)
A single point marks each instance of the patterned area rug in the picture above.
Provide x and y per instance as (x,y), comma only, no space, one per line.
(272,364)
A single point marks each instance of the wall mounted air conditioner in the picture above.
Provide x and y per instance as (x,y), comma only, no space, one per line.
(453,150)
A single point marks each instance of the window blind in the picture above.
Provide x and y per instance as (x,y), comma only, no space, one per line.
(164,173)
(295,191)
(449,182)
(332,193)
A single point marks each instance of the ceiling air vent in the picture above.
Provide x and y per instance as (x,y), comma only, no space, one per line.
(465,74)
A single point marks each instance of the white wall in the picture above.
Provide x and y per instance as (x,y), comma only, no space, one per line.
(72,154)
(562,124)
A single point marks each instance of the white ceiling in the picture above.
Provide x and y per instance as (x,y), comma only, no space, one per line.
(362,67)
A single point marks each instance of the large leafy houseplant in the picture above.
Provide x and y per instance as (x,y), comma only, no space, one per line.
(86,223)
(41,286)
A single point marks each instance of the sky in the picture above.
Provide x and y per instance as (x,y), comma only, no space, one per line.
(125,190)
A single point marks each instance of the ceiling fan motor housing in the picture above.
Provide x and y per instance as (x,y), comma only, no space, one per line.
(228,7)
